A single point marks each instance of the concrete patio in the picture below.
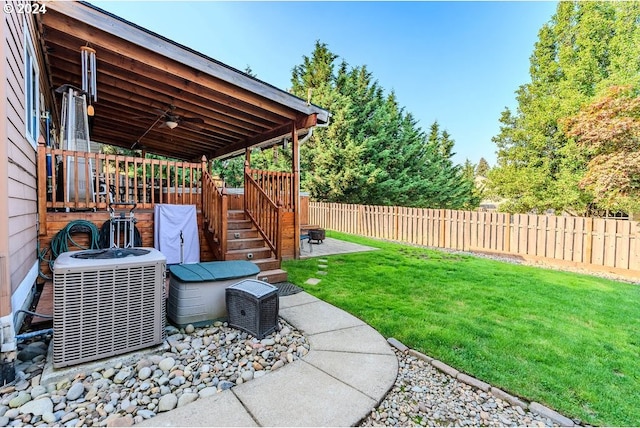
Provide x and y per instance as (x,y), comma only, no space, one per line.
(330,246)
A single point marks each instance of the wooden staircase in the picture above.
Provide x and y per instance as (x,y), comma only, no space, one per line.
(245,243)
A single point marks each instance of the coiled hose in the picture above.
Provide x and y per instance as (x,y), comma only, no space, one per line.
(63,241)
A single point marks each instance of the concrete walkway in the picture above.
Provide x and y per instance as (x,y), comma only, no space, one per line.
(346,374)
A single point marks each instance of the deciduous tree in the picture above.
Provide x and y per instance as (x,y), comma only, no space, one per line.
(608,131)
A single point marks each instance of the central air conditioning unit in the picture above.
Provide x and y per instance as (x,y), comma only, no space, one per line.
(107,302)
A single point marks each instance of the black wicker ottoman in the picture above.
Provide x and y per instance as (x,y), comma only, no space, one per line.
(252,306)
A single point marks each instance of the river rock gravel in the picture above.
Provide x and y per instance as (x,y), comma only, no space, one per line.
(189,366)
(215,358)
(425,396)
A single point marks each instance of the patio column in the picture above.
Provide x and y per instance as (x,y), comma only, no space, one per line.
(296,190)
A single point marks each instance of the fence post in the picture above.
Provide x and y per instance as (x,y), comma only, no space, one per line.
(396,221)
(507,234)
(443,229)
(589,243)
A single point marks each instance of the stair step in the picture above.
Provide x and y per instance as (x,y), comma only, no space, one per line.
(236,215)
(243,243)
(242,234)
(238,224)
(249,254)
(267,264)
(273,276)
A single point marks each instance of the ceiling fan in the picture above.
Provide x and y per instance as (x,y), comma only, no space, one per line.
(169,119)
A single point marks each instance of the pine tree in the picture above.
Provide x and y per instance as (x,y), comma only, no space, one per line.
(482,169)
(373,152)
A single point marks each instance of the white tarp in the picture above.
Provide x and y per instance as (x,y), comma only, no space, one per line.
(170,220)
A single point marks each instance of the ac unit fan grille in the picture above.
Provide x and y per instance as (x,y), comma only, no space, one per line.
(103,312)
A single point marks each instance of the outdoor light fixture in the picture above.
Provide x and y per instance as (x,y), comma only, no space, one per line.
(171,124)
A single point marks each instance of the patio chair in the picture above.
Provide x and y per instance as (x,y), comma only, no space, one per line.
(306,236)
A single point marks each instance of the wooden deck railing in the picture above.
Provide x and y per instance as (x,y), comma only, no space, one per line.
(214,211)
(264,213)
(83,181)
(278,186)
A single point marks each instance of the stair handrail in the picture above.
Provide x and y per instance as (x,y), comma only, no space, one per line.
(214,211)
(264,213)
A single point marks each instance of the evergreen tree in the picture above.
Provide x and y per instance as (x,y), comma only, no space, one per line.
(482,169)
(373,152)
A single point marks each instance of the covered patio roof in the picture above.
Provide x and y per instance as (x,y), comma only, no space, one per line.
(142,77)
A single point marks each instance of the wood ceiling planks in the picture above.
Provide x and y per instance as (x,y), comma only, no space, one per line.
(136,82)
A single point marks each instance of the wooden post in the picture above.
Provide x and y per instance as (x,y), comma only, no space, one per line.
(396,222)
(247,167)
(295,155)
(443,229)
(42,186)
(588,248)
(507,233)
(279,232)
(223,224)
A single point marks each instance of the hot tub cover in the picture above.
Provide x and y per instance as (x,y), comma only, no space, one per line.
(214,271)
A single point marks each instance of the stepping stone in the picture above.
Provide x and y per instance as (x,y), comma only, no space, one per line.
(322,266)
(312,281)
(323,261)
(321,272)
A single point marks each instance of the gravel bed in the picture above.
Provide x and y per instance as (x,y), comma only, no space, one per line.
(193,363)
(425,396)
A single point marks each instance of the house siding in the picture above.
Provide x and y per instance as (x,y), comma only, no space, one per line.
(20,161)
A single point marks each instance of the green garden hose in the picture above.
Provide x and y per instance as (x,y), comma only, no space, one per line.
(63,240)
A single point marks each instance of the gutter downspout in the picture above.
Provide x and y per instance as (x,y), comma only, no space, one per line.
(300,143)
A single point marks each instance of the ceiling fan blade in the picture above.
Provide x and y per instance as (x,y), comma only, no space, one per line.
(190,125)
(192,119)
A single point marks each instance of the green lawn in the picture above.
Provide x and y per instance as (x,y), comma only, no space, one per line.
(569,341)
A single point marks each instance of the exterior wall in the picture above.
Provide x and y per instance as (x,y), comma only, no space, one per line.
(18,204)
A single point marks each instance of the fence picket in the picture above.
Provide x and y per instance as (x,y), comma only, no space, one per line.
(598,242)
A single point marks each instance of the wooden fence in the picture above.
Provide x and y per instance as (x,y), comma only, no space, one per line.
(593,243)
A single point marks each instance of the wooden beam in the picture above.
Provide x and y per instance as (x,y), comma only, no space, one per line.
(273,134)
(233,79)
(140,79)
(98,29)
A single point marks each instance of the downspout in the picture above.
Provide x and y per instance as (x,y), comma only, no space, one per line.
(300,143)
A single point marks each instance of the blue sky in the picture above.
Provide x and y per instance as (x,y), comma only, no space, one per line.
(455,62)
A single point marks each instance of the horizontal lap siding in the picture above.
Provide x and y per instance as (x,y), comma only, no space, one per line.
(21,168)
(604,244)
